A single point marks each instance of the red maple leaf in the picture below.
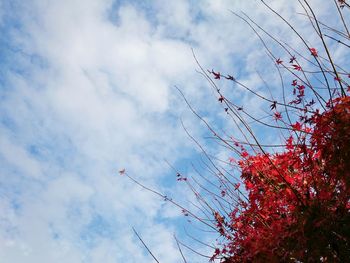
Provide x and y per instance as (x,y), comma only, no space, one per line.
(277,116)
(296,67)
(296,126)
(313,52)
(217,75)
(244,154)
(279,61)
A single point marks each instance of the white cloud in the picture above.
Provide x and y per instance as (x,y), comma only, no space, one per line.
(95,95)
(16,156)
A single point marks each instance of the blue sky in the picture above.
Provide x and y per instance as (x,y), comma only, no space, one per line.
(86,89)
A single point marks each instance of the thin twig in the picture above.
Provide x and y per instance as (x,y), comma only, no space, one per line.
(149,251)
(178,245)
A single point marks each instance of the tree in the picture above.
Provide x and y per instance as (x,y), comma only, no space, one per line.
(298,204)
(292,203)
(295,203)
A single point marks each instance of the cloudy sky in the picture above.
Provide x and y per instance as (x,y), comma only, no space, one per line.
(87,89)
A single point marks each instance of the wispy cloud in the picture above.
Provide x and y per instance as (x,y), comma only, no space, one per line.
(86,88)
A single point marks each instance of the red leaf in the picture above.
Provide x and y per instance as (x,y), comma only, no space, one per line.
(244,154)
(296,67)
(313,52)
(277,116)
(217,75)
(296,126)
(289,143)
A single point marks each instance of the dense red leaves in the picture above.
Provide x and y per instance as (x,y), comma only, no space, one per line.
(332,138)
(298,201)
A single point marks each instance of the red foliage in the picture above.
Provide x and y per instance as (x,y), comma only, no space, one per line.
(298,205)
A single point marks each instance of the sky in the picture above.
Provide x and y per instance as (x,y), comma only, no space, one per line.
(87,88)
